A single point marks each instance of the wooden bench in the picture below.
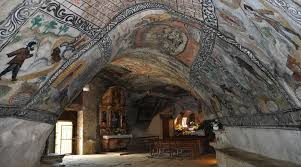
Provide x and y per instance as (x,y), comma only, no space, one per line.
(177,146)
(142,144)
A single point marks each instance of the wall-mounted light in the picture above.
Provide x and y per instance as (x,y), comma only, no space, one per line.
(86,88)
(184,122)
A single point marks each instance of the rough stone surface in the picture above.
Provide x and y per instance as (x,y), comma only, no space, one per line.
(274,143)
(22,142)
(232,157)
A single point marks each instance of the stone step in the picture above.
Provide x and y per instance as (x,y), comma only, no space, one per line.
(52,159)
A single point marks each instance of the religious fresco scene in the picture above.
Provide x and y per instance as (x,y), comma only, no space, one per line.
(198,83)
(36,51)
(275,36)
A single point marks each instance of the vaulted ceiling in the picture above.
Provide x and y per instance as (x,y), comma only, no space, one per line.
(241,58)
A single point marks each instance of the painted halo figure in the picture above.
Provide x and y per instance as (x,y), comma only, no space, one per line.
(20,56)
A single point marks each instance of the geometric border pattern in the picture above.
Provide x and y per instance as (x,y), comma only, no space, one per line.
(28,114)
(66,16)
(290,9)
(122,16)
(16,18)
(25,10)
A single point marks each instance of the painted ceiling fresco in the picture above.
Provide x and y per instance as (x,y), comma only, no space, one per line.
(239,57)
(274,38)
(147,94)
(55,43)
(140,83)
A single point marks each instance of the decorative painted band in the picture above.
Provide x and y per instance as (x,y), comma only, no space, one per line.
(103,33)
(16,18)
(35,115)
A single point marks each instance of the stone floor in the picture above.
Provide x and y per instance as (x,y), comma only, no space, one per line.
(134,160)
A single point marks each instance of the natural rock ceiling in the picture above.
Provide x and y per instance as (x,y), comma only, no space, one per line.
(147,93)
(241,58)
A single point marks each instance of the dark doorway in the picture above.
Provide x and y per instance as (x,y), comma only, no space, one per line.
(165,128)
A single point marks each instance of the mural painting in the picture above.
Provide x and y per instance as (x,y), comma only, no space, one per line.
(238,85)
(275,38)
(20,56)
(242,83)
(39,47)
(171,37)
(162,33)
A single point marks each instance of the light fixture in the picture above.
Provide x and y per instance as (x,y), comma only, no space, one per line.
(184,122)
(86,88)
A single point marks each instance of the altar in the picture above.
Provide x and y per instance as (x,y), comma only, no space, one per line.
(113,129)
(116,142)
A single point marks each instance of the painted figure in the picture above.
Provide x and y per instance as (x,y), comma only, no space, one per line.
(281,29)
(55,55)
(295,66)
(20,56)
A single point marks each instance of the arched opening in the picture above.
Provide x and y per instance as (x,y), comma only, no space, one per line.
(238,60)
(132,103)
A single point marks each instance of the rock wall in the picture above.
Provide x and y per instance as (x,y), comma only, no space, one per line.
(22,142)
(274,143)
